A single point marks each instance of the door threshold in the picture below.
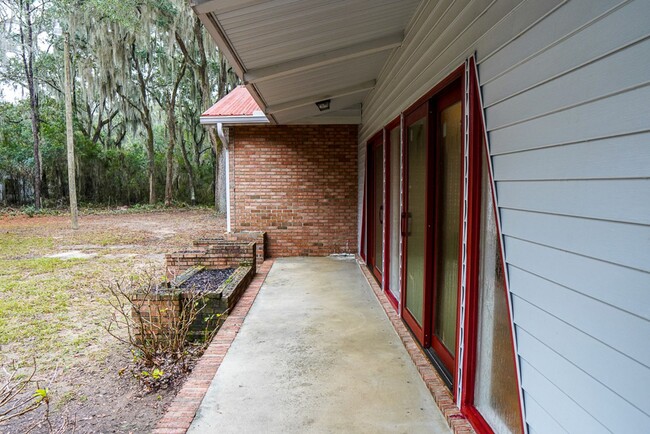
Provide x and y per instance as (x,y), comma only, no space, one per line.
(445,375)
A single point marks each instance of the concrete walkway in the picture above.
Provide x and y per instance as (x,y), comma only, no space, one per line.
(316,353)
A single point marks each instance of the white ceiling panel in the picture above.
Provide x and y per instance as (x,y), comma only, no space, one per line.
(288,50)
(290,116)
(322,80)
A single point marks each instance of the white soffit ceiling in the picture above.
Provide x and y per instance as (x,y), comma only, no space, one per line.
(292,53)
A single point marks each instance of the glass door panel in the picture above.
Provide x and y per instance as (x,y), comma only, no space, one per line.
(450,179)
(395,177)
(496,394)
(378,189)
(375,206)
(416,219)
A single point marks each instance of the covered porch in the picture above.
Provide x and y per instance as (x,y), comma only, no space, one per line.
(467,151)
(313,345)
(318,353)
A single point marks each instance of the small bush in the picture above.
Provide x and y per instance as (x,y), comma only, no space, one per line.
(22,394)
(15,401)
(157,333)
(30,210)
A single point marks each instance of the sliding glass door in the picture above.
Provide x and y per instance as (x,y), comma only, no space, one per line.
(393,150)
(414,220)
(447,223)
(376,206)
(431,224)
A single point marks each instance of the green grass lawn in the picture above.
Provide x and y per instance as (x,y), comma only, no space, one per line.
(55,309)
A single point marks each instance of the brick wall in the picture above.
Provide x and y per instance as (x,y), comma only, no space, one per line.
(298,184)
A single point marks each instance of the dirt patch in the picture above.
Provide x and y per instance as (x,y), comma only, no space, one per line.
(53,305)
(72,254)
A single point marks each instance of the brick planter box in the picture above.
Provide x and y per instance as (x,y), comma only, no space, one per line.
(161,312)
(212,256)
(258,237)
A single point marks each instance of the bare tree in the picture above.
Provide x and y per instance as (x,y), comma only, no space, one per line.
(72,183)
(26,26)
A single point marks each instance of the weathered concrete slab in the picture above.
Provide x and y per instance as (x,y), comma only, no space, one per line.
(316,353)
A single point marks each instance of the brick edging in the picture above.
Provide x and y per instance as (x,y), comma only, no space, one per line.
(441,395)
(180,414)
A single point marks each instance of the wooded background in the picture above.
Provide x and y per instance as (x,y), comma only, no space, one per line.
(142,73)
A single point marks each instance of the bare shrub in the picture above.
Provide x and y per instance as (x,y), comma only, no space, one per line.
(155,321)
(15,401)
(18,400)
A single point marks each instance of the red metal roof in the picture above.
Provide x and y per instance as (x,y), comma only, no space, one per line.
(238,102)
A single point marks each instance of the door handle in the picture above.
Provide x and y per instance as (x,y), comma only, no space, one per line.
(409,220)
(381,215)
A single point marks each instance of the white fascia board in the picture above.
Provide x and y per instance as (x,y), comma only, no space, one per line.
(232,120)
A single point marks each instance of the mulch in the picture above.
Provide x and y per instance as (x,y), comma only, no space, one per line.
(208,280)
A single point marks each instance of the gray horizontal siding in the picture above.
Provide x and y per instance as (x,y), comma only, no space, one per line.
(554,400)
(599,405)
(574,15)
(621,287)
(566,52)
(563,303)
(628,198)
(565,87)
(619,243)
(593,81)
(537,416)
(618,157)
(586,122)
(594,357)
(568,121)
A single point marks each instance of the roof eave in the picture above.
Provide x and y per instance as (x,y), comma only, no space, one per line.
(233,120)
(219,36)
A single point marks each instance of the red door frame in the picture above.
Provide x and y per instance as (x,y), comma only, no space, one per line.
(452,94)
(364,213)
(414,112)
(374,142)
(477,138)
(419,330)
(388,146)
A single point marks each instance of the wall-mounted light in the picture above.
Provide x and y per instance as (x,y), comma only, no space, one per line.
(323,105)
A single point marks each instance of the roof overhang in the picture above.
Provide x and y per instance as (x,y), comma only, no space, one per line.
(234,120)
(291,54)
(238,107)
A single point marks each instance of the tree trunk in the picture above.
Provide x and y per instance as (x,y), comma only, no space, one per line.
(221,180)
(219,172)
(72,184)
(151,157)
(190,172)
(219,175)
(145,115)
(27,45)
(171,126)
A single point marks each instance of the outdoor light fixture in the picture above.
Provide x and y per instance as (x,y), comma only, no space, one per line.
(323,105)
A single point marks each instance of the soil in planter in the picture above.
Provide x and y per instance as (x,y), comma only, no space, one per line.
(208,280)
